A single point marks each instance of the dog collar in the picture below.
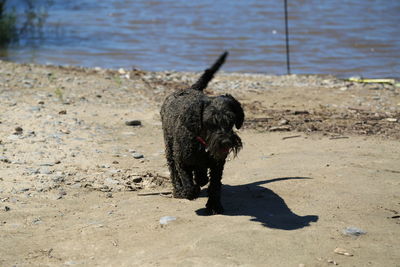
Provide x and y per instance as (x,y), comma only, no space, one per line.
(201,140)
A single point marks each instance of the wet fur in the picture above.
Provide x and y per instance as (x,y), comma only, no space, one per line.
(189,116)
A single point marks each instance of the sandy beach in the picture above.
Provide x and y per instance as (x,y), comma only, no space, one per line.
(316,184)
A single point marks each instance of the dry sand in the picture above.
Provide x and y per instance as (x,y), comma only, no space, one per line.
(79,187)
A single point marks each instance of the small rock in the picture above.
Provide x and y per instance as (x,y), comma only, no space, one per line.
(60,194)
(114,171)
(14,137)
(37,220)
(166,219)
(25,189)
(45,171)
(18,130)
(7,208)
(34,109)
(137,180)
(58,179)
(68,263)
(133,123)
(109,195)
(62,112)
(105,166)
(342,251)
(110,181)
(353,231)
(283,122)
(301,112)
(137,155)
(47,164)
(76,185)
(32,171)
(4,159)
(333,262)
(391,119)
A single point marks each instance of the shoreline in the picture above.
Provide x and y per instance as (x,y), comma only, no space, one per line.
(78,186)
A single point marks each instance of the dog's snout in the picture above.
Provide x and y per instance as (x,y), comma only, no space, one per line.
(226,143)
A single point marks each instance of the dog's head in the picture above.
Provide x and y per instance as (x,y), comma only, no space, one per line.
(219,115)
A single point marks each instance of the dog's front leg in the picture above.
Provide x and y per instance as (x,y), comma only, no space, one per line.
(189,190)
(214,205)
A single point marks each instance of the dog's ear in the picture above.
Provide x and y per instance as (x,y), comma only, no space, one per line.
(238,110)
(193,117)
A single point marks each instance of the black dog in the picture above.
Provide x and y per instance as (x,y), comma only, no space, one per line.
(198,135)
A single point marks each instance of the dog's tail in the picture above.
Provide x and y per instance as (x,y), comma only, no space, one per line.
(208,74)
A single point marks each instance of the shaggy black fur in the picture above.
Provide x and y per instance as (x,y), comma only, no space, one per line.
(198,135)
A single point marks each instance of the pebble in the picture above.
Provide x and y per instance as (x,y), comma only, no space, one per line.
(76,185)
(60,194)
(4,159)
(342,251)
(105,166)
(137,155)
(166,219)
(34,109)
(37,220)
(110,181)
(68,263)
(31,171)
(58,179)
(353,231)
(283,122)
(133,123)
(333,262)
(25,189)
(45,171)
(13,137)
(137,179)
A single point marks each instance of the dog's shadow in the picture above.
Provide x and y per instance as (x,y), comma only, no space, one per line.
(262,205)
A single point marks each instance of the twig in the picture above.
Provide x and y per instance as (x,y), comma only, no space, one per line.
(289,137)
(155,194)
(338,137)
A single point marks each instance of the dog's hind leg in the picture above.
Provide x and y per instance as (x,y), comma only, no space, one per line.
(176,182)
(189,190)
(214,205)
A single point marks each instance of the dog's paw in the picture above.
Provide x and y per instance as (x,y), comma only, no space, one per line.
(214,207)
(188,193)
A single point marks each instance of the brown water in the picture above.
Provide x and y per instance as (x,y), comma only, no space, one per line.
(343,37)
